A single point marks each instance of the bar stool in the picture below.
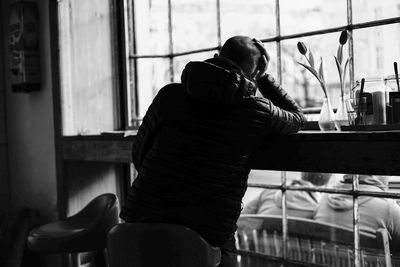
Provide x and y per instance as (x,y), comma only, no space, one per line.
(159,245)
(85,231)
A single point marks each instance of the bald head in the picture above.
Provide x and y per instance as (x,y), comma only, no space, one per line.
(243,51)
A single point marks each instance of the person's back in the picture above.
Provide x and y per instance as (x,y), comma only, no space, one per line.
(374,212)
(192,149)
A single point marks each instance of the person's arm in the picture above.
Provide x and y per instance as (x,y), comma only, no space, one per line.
(271,89)
(148,130)
(280,114)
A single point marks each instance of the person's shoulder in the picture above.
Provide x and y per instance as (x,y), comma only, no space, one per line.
(170,93)
(171,89)
(170,97)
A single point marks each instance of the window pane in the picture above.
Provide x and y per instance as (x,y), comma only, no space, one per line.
(299,82)
(311,15)
(255,18)
(152,75)
(251,233)
(181,61)
(194,24)
(320,225)
(87,66)
(272,66)
(367,10)
(375,50)
(328,238)
(151,27)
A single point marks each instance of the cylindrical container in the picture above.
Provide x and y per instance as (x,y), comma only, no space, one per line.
(379,107)
(361,110)
(391,86)
(391,92)
(375,91)
(396,109)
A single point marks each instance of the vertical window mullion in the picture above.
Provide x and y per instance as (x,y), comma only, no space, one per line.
(284,216)
(278,42)
(356,221)
(219,23)
(283,173)
(133,49)
(356,216)
(351,43)
(171,44)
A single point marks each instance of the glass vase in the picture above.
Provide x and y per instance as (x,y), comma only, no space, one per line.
(326,121)
(342,113)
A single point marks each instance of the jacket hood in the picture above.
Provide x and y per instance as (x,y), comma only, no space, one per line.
(299,200)
(216,81)
(345,202)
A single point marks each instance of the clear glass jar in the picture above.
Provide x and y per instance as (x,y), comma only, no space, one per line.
(391,85)
(375,93)
(392,94)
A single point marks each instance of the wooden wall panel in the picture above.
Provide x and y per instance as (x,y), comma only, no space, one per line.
(86,180)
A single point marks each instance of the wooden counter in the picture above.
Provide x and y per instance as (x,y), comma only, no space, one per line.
(313,151)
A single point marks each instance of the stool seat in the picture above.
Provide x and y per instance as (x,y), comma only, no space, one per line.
(85,231)
(159,245)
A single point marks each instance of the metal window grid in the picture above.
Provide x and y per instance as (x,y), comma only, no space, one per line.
(355,192)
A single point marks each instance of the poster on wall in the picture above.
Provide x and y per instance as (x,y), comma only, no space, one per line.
(24,46)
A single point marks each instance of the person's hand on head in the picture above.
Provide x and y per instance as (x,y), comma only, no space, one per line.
(263,61)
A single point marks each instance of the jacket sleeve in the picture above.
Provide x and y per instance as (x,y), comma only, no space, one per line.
(148,130)
(283,113)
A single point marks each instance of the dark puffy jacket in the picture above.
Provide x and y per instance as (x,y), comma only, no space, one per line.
(192,149)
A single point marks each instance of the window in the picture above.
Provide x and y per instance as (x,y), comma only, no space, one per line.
(379,56)
(88,66)
(332,206)
(378,13)
(164,35)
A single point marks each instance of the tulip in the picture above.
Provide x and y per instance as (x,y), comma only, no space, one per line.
(343,37)
(342,69)
(302,48)
(311,68)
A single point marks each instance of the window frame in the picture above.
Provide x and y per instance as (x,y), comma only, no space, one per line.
(355,192)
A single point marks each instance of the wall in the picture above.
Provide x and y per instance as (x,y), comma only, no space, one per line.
(30,130)
(31,141)
(86,180)
(89,85)
(4,185)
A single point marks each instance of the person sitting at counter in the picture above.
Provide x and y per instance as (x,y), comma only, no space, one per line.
(374,212)
(299,203)
(192,150)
